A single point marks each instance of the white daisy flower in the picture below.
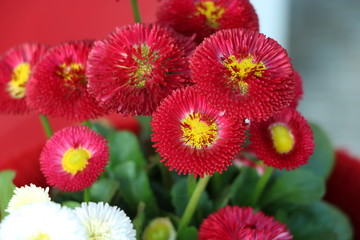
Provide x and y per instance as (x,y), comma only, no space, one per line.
(42,220)
(104,222)
(26,195)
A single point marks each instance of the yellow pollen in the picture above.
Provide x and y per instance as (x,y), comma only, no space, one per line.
(199,132)
(241,70)
(75,160)
(19,78)
(211,12)
(282,138)
(144,68)
(41,236)
(73,74)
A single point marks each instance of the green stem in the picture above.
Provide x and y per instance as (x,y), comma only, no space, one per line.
(86,195)
(136,12)
(46,125)
(259,188)
(191,184)
(87,123)
(193,202)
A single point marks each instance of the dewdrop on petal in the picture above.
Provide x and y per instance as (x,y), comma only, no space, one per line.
(26,195)
(103,221)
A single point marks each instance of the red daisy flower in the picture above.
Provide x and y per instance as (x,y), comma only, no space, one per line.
(193,137)
(252,73)
(137,67)
(298,92)
(241,223)
(73,158)
(204,17)
(283,141)
(58,85)
(15,68)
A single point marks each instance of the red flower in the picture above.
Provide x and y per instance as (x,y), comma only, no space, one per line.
(137,67)
(283,141)
(252,73)
(16,65)
(343,187)
(243,224)
(298,92)
(204,17)
(58,85)
(193,137)
(73,158)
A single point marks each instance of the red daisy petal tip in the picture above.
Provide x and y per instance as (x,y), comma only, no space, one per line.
(283,141)
(73,158)
(193,137)
(58,86)
(298,92)
(16,66)
(253,73)
(204,17)
(137,66)
(233,222)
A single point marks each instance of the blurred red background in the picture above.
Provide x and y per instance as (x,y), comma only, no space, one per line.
(52,22)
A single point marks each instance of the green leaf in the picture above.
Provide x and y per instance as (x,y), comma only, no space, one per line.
(71,204)
(243,186)
(125,147)
(104,190)
(188,233)
(301,186)
(319,221)
(139,220)
(6,190)
(135,187)
(323,158)
(102,129)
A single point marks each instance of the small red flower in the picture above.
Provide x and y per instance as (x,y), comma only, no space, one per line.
(205,17)
(73,158)
(193,137)
(298,92)
(283,141)
(133,70)
(16,66)
(252,73)
(58,85)
(243,224)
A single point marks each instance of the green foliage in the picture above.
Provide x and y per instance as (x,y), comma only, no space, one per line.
(6,190)
(300,186)
(319,221)
(188,233)
(71,204)
(323,158)
(104,190)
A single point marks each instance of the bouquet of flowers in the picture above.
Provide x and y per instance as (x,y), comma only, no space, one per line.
(222,152)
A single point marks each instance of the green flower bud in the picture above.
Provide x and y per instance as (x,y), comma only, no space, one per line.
(159,229)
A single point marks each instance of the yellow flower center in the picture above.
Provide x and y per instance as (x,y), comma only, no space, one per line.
(198,131)
(75,160)
(282,138)
(239,71)
(211,11)
(144,68)
(19,78)
(73,74)
(41,236)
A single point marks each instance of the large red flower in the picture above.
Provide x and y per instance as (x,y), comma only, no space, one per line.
(252,73)
(137,66)
(16,65)
(204,17)
(283,141)
(194,137)
(298,92)
(73,158)
(58,86)
(231,223)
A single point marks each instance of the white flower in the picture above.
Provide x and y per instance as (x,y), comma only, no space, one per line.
(42,220)
(26,195)
(104,222)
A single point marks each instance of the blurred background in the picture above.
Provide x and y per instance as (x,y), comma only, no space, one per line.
(322,38)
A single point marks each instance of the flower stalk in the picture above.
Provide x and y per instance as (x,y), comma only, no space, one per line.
(46,125)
